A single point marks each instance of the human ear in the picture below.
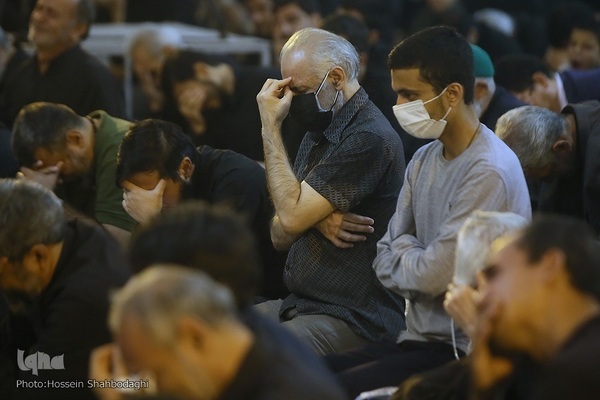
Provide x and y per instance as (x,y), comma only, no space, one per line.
(561,147)
(186,169)
(541,79)
(74,138)
(38,258)
(454,94)
(192,333)
(337,76)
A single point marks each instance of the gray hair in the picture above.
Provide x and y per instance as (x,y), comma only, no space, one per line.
(30,214)
(531,132)
(159,296)
(475,237)
(326,50)
(42,125)
(154,38)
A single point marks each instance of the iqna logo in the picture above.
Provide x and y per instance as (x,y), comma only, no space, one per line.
(39,360)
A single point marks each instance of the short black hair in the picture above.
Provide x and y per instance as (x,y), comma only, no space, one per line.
(515,71)
(212,239)
(575,239)
(153,145)
(441,54)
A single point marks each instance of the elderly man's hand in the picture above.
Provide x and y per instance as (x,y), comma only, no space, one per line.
(274,101)
(47,176)
(342,228)
(142,205)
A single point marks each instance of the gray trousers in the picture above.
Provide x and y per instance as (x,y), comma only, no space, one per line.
(324,333)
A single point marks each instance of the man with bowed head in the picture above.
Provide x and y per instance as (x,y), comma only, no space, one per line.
(350,164)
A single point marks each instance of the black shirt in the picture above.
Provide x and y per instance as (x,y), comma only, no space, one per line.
(278,366)
(8,163)
(70,316)
(226,177)
(75,78)
(358,165)
(573,372)
(502,101)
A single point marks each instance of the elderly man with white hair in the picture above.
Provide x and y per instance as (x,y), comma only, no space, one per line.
(561,151)
(334,204)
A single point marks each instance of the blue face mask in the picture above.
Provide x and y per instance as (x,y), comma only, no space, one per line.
(307,112)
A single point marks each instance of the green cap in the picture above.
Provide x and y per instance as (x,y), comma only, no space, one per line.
(483,67)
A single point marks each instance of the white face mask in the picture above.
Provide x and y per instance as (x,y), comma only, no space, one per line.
(415,120)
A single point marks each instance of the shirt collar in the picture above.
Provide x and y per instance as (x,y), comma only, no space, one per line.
(342,118)
(562,96)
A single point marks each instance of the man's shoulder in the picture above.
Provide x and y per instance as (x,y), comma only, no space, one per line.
(84,66)
(572,373)
(227,160)
(109,125)
(583,346)
(369,125)
(93,250)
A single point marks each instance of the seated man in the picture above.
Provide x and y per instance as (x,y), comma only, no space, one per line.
(350,165)
(541,295)
(490,100)
(60,71)
(216,241)
(183,327)
(561,151)
(473,242)
(466,169)
(76,156)
(149,48)
(56,278)
(158,166)
(214,100)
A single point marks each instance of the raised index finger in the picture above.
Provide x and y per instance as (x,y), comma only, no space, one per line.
(276,84)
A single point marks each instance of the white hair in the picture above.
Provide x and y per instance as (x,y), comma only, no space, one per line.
(325,50)
(531,131)
(475,237)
